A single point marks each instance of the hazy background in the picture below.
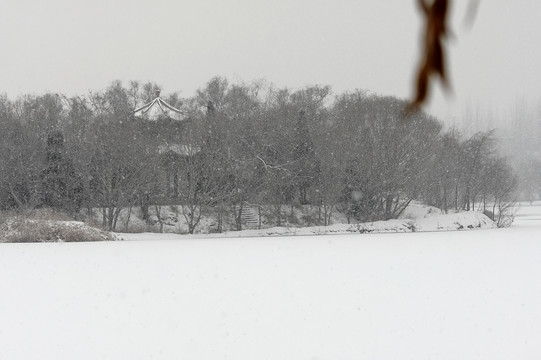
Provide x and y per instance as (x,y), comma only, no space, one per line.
(75,46)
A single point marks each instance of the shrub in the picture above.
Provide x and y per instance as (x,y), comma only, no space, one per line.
(46,227)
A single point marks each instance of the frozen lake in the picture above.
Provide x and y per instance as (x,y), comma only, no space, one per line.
(528,215)
(440,295)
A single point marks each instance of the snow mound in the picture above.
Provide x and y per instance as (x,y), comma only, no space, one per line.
(457,221)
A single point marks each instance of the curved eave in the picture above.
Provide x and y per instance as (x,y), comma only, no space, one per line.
(164,108)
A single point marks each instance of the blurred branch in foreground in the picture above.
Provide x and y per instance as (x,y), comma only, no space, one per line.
(433,61)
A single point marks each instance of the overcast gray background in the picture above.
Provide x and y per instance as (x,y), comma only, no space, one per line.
(75,46)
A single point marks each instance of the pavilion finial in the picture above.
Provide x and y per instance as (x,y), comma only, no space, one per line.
(158,93)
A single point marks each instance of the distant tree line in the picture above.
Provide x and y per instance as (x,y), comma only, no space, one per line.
(523,142)
(242,144)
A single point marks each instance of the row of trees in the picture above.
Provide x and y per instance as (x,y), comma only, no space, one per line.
(242,144)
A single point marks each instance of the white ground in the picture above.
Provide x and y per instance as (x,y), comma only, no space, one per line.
(472,294)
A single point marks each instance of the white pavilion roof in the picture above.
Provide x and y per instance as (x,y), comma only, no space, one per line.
(158,108)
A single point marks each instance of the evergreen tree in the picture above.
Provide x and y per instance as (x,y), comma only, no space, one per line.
(305,163)
(62,187)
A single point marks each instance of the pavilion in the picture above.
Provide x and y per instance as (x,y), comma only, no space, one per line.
(169,126)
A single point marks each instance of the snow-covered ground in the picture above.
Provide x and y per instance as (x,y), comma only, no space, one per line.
(471,294)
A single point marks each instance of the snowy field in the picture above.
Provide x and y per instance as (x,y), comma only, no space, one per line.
(472,294)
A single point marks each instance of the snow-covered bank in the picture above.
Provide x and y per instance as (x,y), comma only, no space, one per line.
(170,219)
(48,226)
(426,222)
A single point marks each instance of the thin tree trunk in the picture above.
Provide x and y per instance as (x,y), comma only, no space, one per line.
(468,198)
(388,207)
(238,217)
(259,217)
(328,216)
(220,217)
(127,219)
(278,213)
(116,214)
(445,198)
(158,215)
(110,217)
(90,214)
(327,213)
(456,197)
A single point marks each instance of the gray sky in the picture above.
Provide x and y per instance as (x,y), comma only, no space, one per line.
(72,46)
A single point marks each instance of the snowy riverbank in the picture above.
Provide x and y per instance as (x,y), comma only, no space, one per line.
(427,222)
